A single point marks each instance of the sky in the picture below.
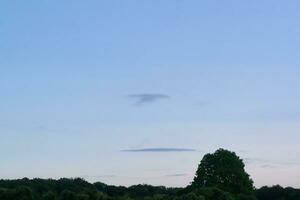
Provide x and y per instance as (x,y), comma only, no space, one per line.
(134,91)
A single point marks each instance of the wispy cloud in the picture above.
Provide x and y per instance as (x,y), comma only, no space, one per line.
(163,149)
(264,163)
(255,161)
(145,98)
(268,166)
(177,175)
(105,176)
(99,176)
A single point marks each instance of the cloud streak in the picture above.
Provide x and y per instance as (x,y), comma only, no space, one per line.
(163,149)
(146,98)
(264,163)
(176,175)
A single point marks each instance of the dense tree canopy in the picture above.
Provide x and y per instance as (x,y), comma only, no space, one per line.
(277,193)
(224,170)
(220,176)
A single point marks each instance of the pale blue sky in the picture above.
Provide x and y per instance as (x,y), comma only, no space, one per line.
(82,81)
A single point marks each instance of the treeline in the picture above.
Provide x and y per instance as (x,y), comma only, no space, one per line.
(79,189)
(277,193)
(220,176)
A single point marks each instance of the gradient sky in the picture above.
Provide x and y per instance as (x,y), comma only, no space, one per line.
(134,91)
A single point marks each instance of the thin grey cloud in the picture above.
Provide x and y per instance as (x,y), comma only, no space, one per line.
(177,175)
(264,163)
(268,166)
(146,98)
(99,176)
(163,149)
(255,160)
(105,176)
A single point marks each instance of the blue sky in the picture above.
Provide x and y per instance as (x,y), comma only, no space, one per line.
(129,92)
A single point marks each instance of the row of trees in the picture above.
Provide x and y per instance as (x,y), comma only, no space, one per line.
(220,176)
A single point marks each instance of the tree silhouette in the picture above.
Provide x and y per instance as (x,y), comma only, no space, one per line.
(220,176)
(225,170)
(49,196)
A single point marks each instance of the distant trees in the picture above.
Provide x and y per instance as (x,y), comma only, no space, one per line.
(277,193)
(190,196)
(67,195)
(220,176)
(18,193)
(48,196)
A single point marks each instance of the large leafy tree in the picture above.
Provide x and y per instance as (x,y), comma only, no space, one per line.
(225,170)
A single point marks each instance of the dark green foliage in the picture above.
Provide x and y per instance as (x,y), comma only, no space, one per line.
(224,170)
(213,193)
(18,193)
(277,193)
(75,189)
(83,197)
(191,196)
(245,197)
(49,196)
(220,176)
(110,190)
(67,195)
